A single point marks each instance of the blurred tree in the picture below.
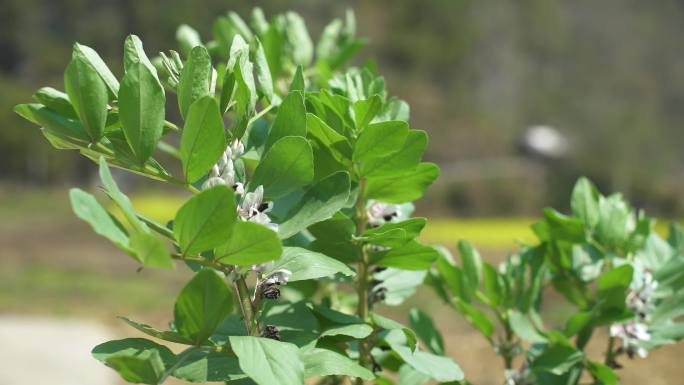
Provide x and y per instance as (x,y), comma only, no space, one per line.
(478,73)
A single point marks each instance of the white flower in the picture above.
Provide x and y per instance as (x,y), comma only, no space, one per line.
(253,209)
(631,334)
(236,149)
(279,277)
(640,297)
(380,213)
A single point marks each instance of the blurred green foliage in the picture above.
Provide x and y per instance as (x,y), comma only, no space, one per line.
(477,73)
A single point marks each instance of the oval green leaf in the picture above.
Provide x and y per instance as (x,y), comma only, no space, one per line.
(287,166)
(203,140)
(249,244)
(88,95)
(206,220)
(201,306)
(195,80)
(141,110)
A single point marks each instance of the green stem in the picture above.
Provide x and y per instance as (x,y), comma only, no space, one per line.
(183,184)
(169,149)
(362,310)
(259,115)
(246,307)
(508,334)
(610,354)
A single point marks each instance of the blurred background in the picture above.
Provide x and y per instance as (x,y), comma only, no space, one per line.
(519,98)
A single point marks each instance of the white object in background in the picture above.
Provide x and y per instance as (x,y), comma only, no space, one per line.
(546,141)
(51,351)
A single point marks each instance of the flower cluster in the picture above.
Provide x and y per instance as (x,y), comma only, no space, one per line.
(223,172)
(252,207)
(380,213)
(270,286)
(635,331)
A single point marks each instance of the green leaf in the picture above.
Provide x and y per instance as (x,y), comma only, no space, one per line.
(323,362)
(365,110)
(227,27)
(206,220)
(201,306)
(298,80)
(202,367)
(602,373)
(578,322)
(203,139)
(290,119)
(338,229)
(612,288)
(88,94)
(401,161)
(267,361)
(328,42)
(150,250)
(615,217)
(249,244)
(134,53)
(407,375)
(156,333)
(87,208)
(94,60)
(195,79)
(287,166)
(404,187)
(585,202)
(187,38)
(472,265)
(141,110)
(334,142)
(399,284)
(557,359)
(147,369)
(264,81)
(298,42)
(305,264)
(453,278)
(422,324)
(320,202)
(379,140)
(387,234)
(56,100)
(132,347)
(357,331)
(523,327)
(437,367)
(390,324)
(411,256)
(67,130)
(492,284)
(475,317)
(245,93)
(296,322)
(119,198)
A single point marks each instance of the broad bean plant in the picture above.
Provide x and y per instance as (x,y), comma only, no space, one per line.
(621,282)
(299,173)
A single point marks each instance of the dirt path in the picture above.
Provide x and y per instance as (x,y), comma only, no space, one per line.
(50,351)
